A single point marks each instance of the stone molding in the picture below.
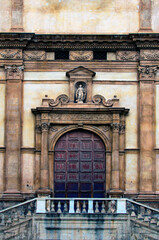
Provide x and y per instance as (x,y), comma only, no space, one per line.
(147,72)
(14,72)
(126,42)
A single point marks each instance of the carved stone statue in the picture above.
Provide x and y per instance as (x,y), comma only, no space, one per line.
(80,94)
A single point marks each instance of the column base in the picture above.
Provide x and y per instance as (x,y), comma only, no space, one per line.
(43,193)
(12,196)
(116,193)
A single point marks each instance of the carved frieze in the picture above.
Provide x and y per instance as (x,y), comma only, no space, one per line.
(149,54)
(128,55)
(81,55)
(14,72)
(147,72)
(60,99)
(80,116)
(34,55)
(10,54)
(99,99)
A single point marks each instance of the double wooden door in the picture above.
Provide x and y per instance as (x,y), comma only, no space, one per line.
(79,165)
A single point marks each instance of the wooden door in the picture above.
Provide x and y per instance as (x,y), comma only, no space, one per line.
(79,165)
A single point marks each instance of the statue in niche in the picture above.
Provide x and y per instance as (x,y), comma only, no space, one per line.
(80,94)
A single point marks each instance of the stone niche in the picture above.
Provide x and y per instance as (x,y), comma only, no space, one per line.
(104,117)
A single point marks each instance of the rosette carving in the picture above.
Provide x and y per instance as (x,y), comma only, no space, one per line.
(60,99)
(99,99)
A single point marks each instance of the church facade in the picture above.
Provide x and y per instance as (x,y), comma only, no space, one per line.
(79,111)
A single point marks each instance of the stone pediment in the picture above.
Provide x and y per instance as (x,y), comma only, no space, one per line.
(80,71)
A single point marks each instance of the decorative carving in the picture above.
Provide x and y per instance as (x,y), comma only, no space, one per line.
(115,127)
(147,72)
(106,129)
(81,55)
(14,72)
(98,99)
(128,55)
(38,128)
(60,99)
(122,129)
(81,116)
(149,55)
(10,53)
(34,55)
(80,94)
(44,126)
(53,129)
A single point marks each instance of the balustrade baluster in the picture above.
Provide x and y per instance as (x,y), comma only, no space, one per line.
(103,207)
(59,207)
(84,207)
(65,207)
(52,207)
(78,207)
(96,207)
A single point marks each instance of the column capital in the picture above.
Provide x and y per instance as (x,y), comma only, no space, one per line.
(122,128)
(44,127)
(14,72)
(115,127)
(147,72)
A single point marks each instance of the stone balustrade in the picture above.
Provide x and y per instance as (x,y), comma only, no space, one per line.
(17,214)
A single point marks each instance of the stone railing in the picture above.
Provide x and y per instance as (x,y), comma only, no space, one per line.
(137,211)
(143,213)
(81,205)
(17,214)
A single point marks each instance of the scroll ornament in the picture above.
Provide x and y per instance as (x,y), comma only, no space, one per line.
(60,99)
(99,99)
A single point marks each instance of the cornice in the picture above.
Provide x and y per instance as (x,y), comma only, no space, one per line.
(108,42)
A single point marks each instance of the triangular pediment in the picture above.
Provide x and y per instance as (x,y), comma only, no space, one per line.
(80,71)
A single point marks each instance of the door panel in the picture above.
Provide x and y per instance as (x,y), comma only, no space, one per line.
(79,165)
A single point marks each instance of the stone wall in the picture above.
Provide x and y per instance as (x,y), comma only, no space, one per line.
(82,17)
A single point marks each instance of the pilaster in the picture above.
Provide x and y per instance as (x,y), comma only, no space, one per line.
(147,108)
(14,77)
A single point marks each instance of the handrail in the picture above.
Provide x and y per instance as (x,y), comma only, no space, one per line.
(18,205)
(143,205)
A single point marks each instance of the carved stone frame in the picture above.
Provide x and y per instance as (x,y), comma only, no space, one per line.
(55,118)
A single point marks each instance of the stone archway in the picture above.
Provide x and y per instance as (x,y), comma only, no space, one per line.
(79,165)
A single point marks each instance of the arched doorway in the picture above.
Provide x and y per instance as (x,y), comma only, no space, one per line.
(79,165)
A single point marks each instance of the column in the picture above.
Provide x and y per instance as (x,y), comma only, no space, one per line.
(122,153)
(115,174)
(14,77)
(147,117)
(44,164)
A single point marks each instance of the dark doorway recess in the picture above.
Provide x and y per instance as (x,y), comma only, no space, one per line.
(79,165)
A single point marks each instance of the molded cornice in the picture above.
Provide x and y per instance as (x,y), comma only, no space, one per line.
(79,41)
